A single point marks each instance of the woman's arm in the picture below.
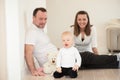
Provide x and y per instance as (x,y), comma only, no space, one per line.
(94,40)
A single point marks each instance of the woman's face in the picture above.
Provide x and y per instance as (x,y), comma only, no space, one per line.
(82,20)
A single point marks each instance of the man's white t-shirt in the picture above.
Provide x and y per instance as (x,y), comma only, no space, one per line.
(42,45)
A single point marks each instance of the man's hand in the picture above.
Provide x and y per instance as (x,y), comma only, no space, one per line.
(59,70)
(75,68)
(38,72)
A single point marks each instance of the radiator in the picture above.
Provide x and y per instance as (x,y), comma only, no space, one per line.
(113,39)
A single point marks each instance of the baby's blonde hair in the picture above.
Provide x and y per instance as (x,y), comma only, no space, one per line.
(67,33)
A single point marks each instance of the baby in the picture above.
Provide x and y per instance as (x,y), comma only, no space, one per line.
(68,59)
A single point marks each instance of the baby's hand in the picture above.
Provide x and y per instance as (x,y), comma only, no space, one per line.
(75,68)
(59,70)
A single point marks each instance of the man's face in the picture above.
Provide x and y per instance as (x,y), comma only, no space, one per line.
(40,19)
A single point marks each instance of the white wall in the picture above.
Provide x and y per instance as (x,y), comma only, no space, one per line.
(15,16)
(61,14)
(3,61)
(13,39)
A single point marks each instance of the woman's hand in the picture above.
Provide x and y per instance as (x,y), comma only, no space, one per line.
(95,51)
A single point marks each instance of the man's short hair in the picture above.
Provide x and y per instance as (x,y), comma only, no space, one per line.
(39,9)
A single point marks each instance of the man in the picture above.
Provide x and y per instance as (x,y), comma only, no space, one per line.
(37,43)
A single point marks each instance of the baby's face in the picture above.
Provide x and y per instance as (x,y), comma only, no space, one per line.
(67,41)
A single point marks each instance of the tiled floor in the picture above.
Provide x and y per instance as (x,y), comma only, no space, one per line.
(95,74)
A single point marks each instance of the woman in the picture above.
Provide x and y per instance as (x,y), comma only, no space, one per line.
(85,34)
(85,42)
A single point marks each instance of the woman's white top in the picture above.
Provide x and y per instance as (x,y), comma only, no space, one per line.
(88,43)
(68,57)
(41,42)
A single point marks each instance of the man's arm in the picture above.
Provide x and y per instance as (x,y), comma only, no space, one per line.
(30,61)
(29,57)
